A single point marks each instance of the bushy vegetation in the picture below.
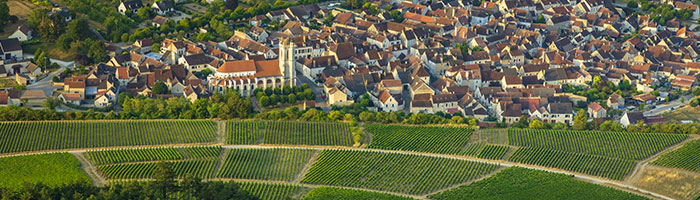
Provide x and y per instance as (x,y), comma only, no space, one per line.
(35,136)
(521,183)
(444,140)
(265,164)
(328,193)
(410,174)
(49,169)
(686,157)
(288,132)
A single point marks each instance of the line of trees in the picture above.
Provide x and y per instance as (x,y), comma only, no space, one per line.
(581,123)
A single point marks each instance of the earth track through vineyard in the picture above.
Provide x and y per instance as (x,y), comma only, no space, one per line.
(89,168)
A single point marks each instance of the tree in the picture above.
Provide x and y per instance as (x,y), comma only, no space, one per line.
(632,4)
(160,88)
(536,124)
(264,101)
(231,4)
(682,99)
(694,102)
(145,13)
(97,52)
(328,20)
(581,120)
(41,60)
(4,13)
(696,91)
(51,103)
(51,27)
(292,99)
(78,28)
(396,15)
(164,176)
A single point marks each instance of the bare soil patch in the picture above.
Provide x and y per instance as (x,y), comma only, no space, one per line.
(675,183)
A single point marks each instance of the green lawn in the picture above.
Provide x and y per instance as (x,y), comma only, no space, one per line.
(50,48)
(50,169)
(521,183)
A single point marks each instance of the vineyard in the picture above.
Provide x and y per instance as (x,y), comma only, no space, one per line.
(473,149)
(141,163)
(36,136)
(133,155)
(288,132)
(410,174)
(267,191)
(265,164)
(443,140)
(613,168)
(521,183)
(631,146)
(493,152)
(49,169)
(328,193)
(493,136)
(686,157)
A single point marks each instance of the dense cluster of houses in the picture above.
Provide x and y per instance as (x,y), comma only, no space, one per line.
(500,59)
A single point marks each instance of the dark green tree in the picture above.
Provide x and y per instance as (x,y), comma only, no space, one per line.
(160,88)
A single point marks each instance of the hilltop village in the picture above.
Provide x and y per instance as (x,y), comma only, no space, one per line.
(493,60)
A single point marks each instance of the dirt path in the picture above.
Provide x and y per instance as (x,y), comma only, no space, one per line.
(367,139)
(89,168)
(510,152)
(221,132)
(222,158)
(307,166)
(636,173)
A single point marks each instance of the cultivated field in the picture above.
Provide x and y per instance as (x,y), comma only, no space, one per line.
(49,169)
(613,168)
(633,146)
(328,193)
(141,163)
(409,174)
(288,133)
(521,183)
(43,135)
(493,152)
(607,154)
(686,157)
(443,140)
(272,191)
(265,164)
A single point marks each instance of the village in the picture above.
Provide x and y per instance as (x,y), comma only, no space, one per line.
(497,61)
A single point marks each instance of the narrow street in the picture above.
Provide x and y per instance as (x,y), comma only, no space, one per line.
(45,83)
(318,91)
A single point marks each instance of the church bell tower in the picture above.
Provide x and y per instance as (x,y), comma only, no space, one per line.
(287,61)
